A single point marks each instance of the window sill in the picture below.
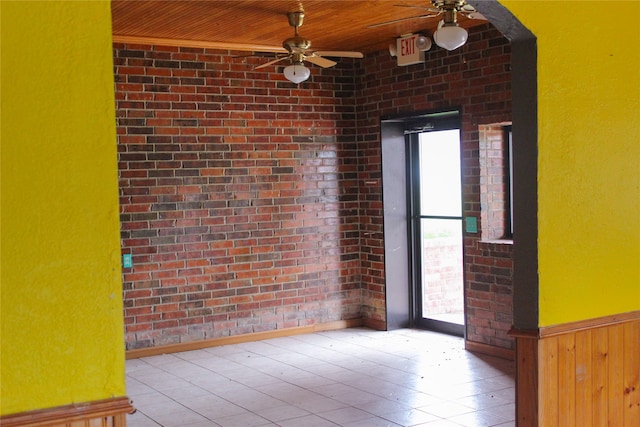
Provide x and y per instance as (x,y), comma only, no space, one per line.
(498,242)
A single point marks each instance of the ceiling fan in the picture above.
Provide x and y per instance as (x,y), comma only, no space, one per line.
(449,34)
(298,48)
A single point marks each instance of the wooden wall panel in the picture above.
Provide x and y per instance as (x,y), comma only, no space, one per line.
(526,377)
(567,381)
(615,410)
(599,372)
(583,378)
(631,380)
(548,380)
(590,376)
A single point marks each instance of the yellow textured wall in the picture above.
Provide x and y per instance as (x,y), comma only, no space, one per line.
(589,156)
(61,299)
(62,332)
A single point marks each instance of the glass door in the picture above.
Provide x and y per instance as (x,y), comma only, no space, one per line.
(438,278)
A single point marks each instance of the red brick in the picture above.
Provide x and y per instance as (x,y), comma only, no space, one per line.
(243,164)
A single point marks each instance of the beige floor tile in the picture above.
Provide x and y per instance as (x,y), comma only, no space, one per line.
(351,378)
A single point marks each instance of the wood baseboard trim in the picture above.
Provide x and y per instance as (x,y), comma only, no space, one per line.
(238,339)
(490,350)
(115,408)
(378,325)
(339,324)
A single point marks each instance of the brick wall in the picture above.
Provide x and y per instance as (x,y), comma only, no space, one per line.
(250,203)
(442,276)
(490,268)
(494,182)
(239,198)
(475,78)
(489,294)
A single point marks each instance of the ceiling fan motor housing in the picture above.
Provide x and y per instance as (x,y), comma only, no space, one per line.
(448,4)
(297,58)
(296,44)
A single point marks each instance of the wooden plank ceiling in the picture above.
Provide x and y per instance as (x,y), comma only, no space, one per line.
(261,25)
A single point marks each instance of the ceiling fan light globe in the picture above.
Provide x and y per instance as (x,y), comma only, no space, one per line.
(450,37)
(296,73)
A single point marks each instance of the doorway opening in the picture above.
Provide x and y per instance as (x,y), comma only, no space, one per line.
(435,222)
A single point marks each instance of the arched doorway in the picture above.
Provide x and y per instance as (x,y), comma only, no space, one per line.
(525,190)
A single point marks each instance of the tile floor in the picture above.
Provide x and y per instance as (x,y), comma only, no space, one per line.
(352,377)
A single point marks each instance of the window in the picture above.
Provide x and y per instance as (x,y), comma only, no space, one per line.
(496,174)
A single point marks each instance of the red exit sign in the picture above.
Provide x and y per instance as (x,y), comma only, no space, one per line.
(407,51)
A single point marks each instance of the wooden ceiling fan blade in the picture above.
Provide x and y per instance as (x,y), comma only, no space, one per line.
(470,12)
(467,8)
(476,15)
(395,21)
(320,61)
(266,64)
(430,9)
(339,54)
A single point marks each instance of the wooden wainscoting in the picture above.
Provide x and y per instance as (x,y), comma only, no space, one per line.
(587,374)
(102,413)
(526,377)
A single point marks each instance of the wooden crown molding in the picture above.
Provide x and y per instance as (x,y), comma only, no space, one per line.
(197,44)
